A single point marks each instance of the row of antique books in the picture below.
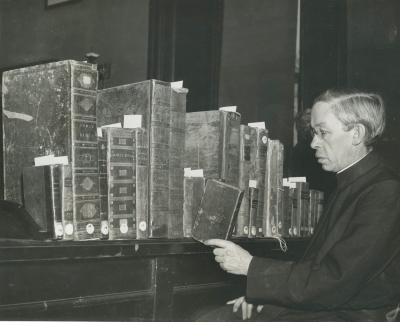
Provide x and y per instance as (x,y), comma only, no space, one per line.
(110,163)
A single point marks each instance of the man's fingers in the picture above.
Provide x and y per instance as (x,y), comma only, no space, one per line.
(249,310)
(219,251)
(219,259)
(231,302)
(259,308)
(218,243)
(238,303)
(244,310)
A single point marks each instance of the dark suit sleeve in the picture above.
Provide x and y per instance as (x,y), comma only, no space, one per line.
(369,240)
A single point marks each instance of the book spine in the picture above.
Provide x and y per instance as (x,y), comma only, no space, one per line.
(230,122)
(268,182)
(286,212)
(142,179)
(193,192)
(253,209)
(304,209)
(55,190)
(66,202)
(176,161)
(159,161)
(312,210)
(103,187)
(279,188)
(234,215)
(259,175)
(84,155)
(246,158)
(320,207)
(121,183)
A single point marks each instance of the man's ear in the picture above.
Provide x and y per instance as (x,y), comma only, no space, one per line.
(359,133)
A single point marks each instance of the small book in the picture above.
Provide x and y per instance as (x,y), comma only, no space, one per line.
(218,210)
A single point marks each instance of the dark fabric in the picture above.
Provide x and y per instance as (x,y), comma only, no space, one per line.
(352,262)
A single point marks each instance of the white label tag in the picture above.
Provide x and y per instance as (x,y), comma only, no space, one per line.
(187,172)
(132,121)
(228,108)
(142,226)
(90,229)
(297,179)
(258,125)
(177,84)
(44,160)
(198,173)
(69,229)
(252,183)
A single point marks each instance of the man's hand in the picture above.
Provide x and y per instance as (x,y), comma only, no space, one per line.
(247,308)
(231,257)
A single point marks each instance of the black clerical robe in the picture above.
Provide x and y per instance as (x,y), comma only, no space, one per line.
(353,260)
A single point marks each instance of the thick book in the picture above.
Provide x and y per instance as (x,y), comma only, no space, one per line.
(287,207)
(193,193)
(67,207)
(51,109)
(212,144)
(42,198)
(247,163)
(217,213)
(121,182)
(300,208)
(254,196)
(273,192)
(103,185)
(155,101)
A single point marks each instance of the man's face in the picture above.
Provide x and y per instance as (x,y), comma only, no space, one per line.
(333,145)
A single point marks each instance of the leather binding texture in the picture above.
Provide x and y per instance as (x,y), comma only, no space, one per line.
(121,182)
(103,185)
(272,219)
(212,144)
(193,193)
(300,207)
(253,210)
(41,193)
(247,157)
(217,213)
(67,206)
(51,109)
(154,100)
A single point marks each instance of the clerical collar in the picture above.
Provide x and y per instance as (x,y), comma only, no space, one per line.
(355,162)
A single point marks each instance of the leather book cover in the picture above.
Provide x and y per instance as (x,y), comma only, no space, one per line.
(176,162)
(212,144)
(42,199)
(152,99)
(304,209)
(121,182)
(247,159)
(273,189)
(300,195)
(193,193)
(217,213)
(287,203)
(103,185)
(312,211)
(320,207)
(51,109)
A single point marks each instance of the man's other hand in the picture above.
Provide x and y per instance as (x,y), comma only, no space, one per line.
(231,257)
(247,308)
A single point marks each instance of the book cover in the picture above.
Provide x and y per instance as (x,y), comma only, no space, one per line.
(153,100)
(51,109)
(253,210)
(103,185)
(121,182)
(42,198)
(300,208)
(247,163)
(193,193)
(217,213)
(67,207)
(212,144)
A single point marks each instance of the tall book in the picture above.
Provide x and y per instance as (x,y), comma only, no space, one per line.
(273,189)
(254,196)
(121,182)
(103,185)
(51,109)
(217,213)
(155,101)
(300,208)
(247,160)
(193,193)
(212,144)
(67,207)
(42,198)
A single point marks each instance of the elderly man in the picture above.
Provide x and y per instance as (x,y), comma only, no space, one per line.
(351,268)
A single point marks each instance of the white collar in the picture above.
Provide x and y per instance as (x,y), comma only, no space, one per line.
(350,165)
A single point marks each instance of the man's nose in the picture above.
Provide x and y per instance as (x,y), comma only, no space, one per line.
(314,142)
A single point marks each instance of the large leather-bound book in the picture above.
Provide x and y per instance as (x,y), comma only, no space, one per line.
(254,197)
(287,204)
(42,198)
(103,185)
(193,193)
(300,208)
(217,213)
(212,144)
(153,100)
(121,182)
(51,109)
(247,157)
(273,189)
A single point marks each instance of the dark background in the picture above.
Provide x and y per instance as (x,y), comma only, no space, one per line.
(230,52)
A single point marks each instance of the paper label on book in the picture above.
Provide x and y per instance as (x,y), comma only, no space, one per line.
(90,229)
(61,160)
(69,229)
(297,179)
(253,231)
(104,227)
(252,183)
(44,160)
(198,173)
(123,226)
(177,84)
(142,226)
(132,121)
(187,172)
(246,230)
(228,108)
(58,229)
(259,125)
(264,139)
